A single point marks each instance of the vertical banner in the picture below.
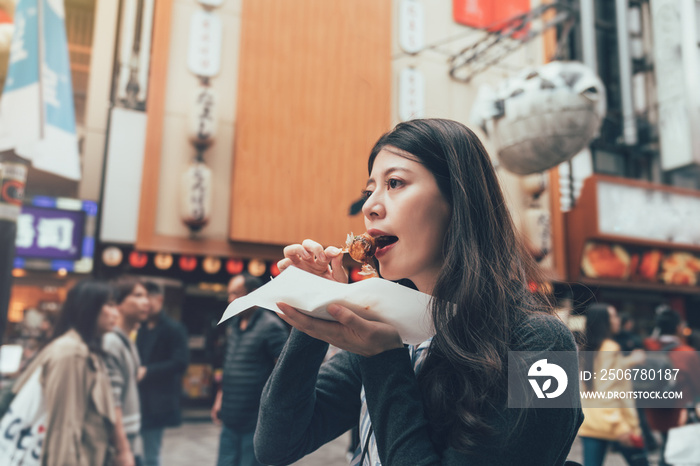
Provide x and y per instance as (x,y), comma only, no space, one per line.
(37,117)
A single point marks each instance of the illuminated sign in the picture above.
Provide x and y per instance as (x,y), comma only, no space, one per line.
(56,233)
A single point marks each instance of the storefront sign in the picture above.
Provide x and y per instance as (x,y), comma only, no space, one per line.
(650,214)
(56,233)
(50,233)
(204,56)
(411,26)
(639,264)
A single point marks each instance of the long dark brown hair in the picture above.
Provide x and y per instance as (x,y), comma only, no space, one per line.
(81,310)
(598,329)
(485,273)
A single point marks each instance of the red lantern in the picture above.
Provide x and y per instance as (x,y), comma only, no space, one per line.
(137,259)
(188,263)
(234,266)
(355,275)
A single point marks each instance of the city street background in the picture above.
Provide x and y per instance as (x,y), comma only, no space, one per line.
(197,442)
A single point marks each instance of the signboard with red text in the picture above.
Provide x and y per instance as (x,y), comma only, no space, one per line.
(485,13)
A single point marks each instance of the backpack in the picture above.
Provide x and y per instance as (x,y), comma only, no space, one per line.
(656,363)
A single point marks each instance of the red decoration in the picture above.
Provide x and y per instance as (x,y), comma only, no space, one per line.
(137,259)
(355,275)
(188,263)
(274,270)
(234,266)
(485,13)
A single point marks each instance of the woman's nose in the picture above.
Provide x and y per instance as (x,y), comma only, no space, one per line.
(373,207)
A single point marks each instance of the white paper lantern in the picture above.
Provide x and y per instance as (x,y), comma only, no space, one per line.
(545,116)
(196,196)
(203,117)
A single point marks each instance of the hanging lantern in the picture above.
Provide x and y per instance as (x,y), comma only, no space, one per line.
(234,266)
(203,117)
(188,263)
(196,196)
(356,275)
(112,256)
(211,265)
(163,261)
(543,116)
(138,260)
(257,267)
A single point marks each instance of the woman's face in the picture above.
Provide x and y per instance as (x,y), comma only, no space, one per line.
(404,201)
(107,318)
(614,321)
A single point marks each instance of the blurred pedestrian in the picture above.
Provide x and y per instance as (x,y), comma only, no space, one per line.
(608,422)
(79,406)
(255,340)
(670,328)
(162,345)
(628,339)
(123,363)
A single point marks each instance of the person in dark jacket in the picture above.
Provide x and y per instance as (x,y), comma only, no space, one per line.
(164,353)
(255,339)
(436,211)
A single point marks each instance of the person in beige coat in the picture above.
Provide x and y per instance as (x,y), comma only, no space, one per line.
(79,403)
(608,421)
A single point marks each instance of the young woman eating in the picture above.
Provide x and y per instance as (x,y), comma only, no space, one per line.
(433,195)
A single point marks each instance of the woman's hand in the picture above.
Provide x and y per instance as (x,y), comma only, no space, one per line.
(311,257)
(124,458)
(351,332)
(626,439)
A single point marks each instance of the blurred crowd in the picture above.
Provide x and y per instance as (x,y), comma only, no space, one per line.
(108,369)
(611,342)
(98,382)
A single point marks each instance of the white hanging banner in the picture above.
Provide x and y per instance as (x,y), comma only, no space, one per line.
(37,117)
(411,94)
(204,54)
(411,26)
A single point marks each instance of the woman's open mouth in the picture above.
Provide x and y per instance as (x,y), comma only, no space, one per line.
(384,244)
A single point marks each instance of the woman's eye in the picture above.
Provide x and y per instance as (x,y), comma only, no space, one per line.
(393,183)
(366,194)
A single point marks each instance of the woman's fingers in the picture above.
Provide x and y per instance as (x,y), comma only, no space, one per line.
(284,263)
(296,251)
(311,257)
(335,256)
(345,316)
(302,322)
(317,250)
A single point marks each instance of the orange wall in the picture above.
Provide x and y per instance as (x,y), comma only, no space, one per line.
(314,93)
